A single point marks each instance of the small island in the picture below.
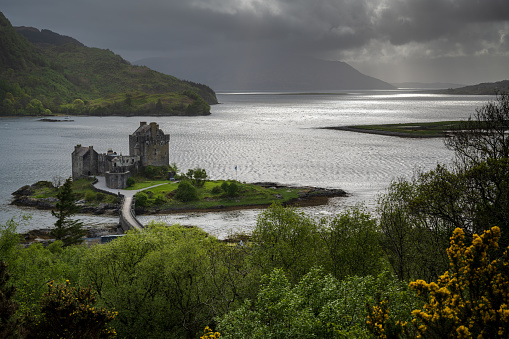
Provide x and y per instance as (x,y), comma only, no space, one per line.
(438,129)
(162,196)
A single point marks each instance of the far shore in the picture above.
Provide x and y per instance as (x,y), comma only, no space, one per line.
(439,129)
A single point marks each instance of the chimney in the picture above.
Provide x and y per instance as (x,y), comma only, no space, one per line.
(143,123)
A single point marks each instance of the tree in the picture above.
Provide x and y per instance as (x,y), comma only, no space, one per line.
(481,146)
(158,280)
(352,243)
(78,105)
(198,176)
(287,239)
(186,192)
(35,107)
(413,239)
(68,230)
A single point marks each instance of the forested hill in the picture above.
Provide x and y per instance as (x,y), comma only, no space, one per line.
(58,74)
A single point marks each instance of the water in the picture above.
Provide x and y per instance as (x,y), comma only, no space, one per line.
(269,137)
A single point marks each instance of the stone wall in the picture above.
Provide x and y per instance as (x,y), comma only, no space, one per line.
(117,180)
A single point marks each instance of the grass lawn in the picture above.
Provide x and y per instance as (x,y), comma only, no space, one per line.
(162,197)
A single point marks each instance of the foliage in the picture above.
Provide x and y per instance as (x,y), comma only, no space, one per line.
(10,238)
(57,75)
(352,243)
(186,192)
(8,306)
(70,312)
(197,176)
(231,188)
(130,182)
(34,266)
(66,229)
(414,240)
(160,281)
(318,306)
(469,300)
(141,199)
(287,239)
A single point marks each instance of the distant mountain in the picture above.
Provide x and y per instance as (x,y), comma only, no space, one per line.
(266,73)
(423,85)
(58,74)
(488,88)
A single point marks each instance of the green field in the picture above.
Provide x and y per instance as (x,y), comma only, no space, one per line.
(211,196)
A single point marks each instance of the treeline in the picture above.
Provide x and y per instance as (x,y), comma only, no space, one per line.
(431,261)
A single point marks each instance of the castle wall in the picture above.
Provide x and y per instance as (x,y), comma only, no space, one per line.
(84,162)
(117,180)
(151,144)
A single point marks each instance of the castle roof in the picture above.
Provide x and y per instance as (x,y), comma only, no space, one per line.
(146,129)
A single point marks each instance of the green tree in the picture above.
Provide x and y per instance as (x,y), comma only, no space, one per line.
(481,146)
(78,105)
(35,107)
(198,176)
(130,182)
(318,306)
(413,240)
(68,230)
(158,280)
(352,243)
(287,239)
(186,192)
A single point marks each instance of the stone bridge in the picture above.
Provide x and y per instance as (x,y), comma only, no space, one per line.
(128,219)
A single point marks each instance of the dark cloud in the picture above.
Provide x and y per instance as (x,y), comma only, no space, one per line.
(351,30)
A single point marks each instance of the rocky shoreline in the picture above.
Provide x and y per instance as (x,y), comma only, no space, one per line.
(24,197)
(310,196)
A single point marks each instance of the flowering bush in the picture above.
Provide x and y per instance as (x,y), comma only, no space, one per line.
(69,312)
(469,300)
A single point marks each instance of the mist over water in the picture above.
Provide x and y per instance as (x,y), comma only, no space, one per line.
(269,137)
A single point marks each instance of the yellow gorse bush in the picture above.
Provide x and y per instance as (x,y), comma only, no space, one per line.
(209,334)
(471,298)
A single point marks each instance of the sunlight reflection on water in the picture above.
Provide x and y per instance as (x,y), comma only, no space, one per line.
(268,137)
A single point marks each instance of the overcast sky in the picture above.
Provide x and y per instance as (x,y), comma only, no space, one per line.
(462,41)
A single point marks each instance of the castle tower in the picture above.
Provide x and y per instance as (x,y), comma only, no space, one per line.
(151,144)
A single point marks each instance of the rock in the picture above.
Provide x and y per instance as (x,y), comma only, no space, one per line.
(26,190)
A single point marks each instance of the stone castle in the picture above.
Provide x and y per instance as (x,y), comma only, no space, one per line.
(148,146)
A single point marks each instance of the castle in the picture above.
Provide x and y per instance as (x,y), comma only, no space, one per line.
(148,146)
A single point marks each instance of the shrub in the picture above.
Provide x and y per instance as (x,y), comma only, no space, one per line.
(141,199)
(216,190)
(186,192)
(130,182)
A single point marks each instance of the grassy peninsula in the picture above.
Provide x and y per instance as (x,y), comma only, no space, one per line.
(217,195)
(407,130)
(44,73)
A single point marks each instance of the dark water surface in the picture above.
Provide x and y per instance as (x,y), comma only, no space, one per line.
(269,137)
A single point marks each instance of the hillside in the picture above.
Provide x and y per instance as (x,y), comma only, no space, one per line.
(488,88)
(264,72)
(57,74)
